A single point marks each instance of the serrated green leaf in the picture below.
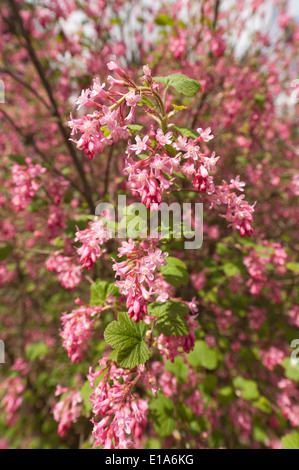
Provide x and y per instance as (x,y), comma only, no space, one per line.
(170,317)
(175,272)
(100,290)
(126,336)
(183,84)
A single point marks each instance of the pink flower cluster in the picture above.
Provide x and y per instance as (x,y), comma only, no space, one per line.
(68,409)
(256,264)
(77,329)
(288,399)
(122,414)
(13,388)
(147,176)
(137,274)
(92,238)
(293,315)
(239,212)
(107,124)
(24,183)
(68,273)
(13,398)
(272,357)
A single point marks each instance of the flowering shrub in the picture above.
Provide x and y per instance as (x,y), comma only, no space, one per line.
(134,341)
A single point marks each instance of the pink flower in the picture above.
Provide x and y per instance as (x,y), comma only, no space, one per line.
(164,139)
(140,145)
(205,135)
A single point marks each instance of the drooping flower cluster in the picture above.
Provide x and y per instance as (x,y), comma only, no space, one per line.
(78,328)
(119,414)
(107,124)
(25,184)
(92,238)
(137,274)
(256,263)
(287,400)
(13,398)
(68,273)
(12,389)
(239,212)
(68,409)
(148,177)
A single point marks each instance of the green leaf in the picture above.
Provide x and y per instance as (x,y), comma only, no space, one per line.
(248,388)
(179,108)
(113,290)
(127,337)
(263,404)
(100,290)
(170,317)
(145,100)
(162,412)
(290,441)
(184,413)
(210,382)
(292,266)
(17,159)
(226,395)
(175,272)
(36,351)
(187,132)
(5,251)
(183,84)
(260,99)
(135,127)
(85,393)
(230,269)
(164,20)
(291,370)
(203,356)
